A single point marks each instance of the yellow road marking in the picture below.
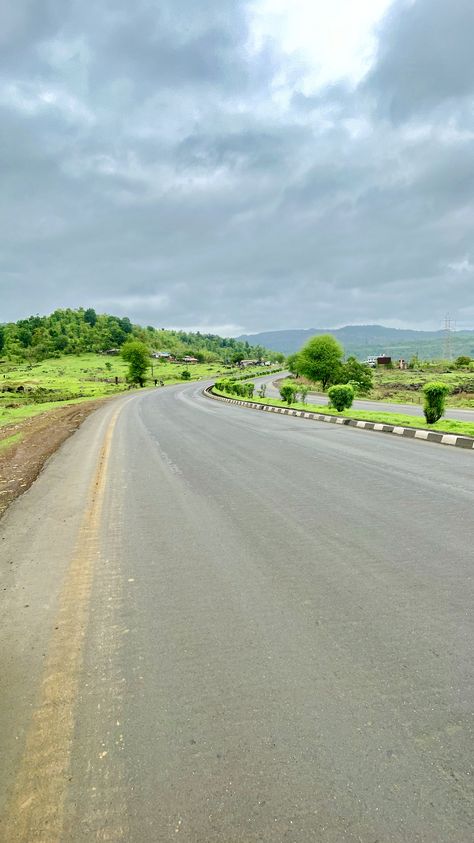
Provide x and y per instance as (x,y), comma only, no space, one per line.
(36,810)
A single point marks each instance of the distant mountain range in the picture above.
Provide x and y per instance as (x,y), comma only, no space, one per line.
(364,340)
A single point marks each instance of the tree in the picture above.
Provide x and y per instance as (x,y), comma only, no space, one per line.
(186,375)
(462,362)
(292,363)
(341,396)
(320,359)
(90,316)
(359,374)
(435,400)
(2,338)
(137,356)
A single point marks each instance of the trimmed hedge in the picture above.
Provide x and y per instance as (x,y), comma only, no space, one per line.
(435,400)
(341,396)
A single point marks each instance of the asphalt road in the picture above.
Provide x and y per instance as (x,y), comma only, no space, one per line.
(366,404)
(223,625)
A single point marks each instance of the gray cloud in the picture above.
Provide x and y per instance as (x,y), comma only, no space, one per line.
(425,57)
(147,169)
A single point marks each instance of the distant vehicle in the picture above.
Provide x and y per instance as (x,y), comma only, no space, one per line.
(380,360)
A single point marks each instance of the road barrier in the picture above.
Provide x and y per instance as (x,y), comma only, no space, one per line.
(466,442)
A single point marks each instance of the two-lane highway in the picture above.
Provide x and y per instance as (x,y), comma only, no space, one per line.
(222,625)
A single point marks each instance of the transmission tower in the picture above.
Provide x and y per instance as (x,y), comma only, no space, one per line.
(449,327)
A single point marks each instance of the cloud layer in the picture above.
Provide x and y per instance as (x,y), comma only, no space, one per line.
(160,161)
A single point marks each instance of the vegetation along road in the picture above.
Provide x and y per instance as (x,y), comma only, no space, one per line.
(367,404)
(222,625)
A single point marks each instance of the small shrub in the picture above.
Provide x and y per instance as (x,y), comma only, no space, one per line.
(262,390)
(186,375)
(303,392)
(435,401)
(249,388)
(341,396)
(288,392)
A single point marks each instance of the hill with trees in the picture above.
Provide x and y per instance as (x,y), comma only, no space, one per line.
(83,330)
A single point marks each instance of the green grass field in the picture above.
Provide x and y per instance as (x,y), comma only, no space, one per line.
(443,426)
(73,379)
(406,387)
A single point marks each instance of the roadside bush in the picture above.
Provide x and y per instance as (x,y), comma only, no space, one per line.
(186,375)
(435,401)
(303,392)
(249,388)
(288,392)
(262,390)
(341,396)
(240,389)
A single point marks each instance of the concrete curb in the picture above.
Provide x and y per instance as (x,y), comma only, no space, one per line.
(465,442)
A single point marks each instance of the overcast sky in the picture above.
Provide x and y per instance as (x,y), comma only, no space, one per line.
(238,165)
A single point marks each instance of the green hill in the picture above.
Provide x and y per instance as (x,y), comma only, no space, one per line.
(84,331)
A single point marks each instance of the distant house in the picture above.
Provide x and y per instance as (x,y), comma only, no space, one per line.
(161,355)
(112,352)
(188,359)
(244,363)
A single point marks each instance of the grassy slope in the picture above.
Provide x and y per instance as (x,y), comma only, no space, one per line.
(406,387)
(443,426)
(84,377)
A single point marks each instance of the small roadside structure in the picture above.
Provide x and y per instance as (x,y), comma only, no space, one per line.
(384,360)
(112,352)
(189,359)
(244,363)
(161,355)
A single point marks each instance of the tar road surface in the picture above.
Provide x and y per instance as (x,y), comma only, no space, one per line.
(219,624)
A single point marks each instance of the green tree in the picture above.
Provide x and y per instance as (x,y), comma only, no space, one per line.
(186,375)
(90,316)
(358,374)
(137,356)
(462,361)
(320,359)
(2,338)
(292,363)
(435,400)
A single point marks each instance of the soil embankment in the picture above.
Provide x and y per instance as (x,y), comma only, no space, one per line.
(26,445)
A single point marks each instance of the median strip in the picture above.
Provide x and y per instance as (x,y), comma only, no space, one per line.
(466,442)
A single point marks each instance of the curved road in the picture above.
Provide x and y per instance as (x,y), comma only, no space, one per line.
(223,625)
(366,404)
